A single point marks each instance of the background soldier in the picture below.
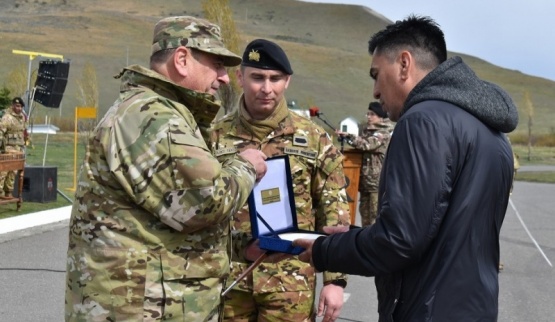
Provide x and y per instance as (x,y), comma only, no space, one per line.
(282,291)
(12,132)
(149,225)
(373,140)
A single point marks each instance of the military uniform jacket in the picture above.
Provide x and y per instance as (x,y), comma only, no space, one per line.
(12,129)
(151,199)
(318,184)
(374,147)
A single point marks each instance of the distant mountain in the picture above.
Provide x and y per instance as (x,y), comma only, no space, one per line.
(326,43)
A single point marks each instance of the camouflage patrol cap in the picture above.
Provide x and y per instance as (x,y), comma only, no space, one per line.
(18,100)
(192,32)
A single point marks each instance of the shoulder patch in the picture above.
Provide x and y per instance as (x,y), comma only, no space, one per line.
(299,140)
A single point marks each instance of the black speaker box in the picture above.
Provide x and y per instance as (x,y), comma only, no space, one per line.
(40,184)
(51,82)
(48,99)
(53,68)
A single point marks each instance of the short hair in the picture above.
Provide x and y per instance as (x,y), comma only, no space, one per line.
(421,36)
(163,55)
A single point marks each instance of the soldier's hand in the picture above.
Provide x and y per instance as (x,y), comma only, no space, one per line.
(257,159)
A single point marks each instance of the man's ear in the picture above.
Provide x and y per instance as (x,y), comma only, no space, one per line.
(406,63)
(239,75)
(181,60)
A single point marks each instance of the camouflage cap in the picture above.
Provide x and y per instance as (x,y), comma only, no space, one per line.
(192,32)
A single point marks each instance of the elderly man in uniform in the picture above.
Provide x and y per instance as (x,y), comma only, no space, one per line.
(13,127)
(373,141)
(282,291)
(149,225)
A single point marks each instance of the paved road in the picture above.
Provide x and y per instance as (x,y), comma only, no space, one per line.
(544,168)
(32,265)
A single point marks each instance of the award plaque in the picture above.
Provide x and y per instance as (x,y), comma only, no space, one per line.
(272,210)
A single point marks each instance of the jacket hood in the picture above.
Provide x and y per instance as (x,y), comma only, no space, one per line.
(453,81)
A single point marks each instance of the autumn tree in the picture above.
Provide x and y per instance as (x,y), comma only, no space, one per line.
(529,106)
(219,12)
(16,80)
(87,95)
(87,87)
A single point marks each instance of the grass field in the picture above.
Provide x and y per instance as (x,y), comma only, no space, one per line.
(60,153)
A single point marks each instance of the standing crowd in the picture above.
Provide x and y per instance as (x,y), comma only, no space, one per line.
(160,225)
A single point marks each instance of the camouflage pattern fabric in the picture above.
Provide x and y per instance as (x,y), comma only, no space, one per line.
(149,227)
(368,207)
(374,149)
(12,129)
(320,199)
(269,307)
(192,32)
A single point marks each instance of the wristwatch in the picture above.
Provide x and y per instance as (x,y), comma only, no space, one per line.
(342,283)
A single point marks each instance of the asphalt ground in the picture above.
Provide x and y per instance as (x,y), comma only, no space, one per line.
(32,264)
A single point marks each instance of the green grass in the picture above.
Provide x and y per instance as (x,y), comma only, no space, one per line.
(60,154)
(536,176)
(536,155)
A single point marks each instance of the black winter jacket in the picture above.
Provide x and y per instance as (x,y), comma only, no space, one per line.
(444,191)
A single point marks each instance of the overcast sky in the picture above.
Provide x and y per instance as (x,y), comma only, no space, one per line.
(513,34)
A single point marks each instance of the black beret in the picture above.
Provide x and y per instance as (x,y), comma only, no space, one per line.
(18,100)
(377,108)
(264,54)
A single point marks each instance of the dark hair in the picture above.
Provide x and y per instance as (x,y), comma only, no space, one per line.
(419,35)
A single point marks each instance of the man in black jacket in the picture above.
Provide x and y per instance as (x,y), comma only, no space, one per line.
(444,186)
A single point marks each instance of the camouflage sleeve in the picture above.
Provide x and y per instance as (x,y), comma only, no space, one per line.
(167,168)
(330,199)
(369,143)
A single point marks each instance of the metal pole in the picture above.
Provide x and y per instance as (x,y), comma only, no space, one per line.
(28,103)
(65,197)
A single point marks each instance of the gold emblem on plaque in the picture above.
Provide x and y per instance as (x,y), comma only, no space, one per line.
(254,55)
(270,196)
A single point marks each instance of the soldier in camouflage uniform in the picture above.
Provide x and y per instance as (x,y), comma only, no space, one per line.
(373,141)
(12,134)
(150,223)
(283,290)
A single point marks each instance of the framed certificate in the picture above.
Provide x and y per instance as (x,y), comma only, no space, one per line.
(272,210)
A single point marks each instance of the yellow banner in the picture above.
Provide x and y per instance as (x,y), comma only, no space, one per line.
(85,112)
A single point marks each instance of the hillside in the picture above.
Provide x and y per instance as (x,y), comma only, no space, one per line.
(326,43)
